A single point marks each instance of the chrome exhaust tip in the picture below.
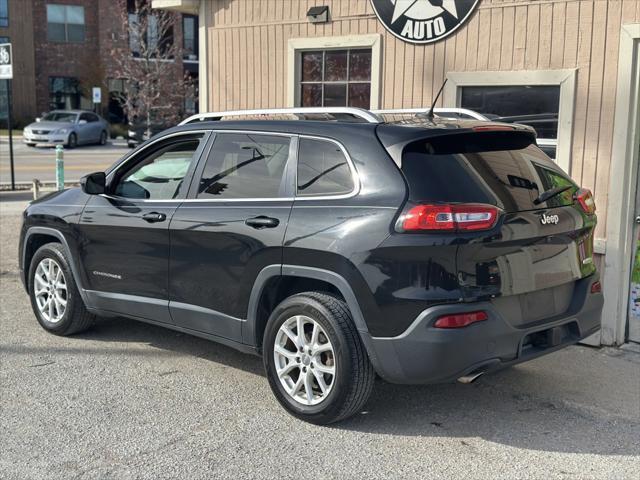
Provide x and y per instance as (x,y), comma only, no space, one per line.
(472,377)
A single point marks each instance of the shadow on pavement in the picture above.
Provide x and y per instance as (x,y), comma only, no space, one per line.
(508,407)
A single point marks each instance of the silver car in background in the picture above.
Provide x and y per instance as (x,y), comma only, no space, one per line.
(67,127)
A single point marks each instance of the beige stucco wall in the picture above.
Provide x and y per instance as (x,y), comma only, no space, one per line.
(247,61)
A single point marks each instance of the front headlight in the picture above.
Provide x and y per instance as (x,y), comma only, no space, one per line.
(27,130)
(60,131)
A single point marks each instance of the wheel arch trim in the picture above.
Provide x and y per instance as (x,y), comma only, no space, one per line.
(338,281)
(72,261)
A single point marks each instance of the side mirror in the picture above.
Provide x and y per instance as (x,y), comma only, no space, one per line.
(82,122)
(38,119)
(94,183)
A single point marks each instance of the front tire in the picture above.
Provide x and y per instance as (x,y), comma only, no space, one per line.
(103,138)
(55,299)
(72,142)
(315,361)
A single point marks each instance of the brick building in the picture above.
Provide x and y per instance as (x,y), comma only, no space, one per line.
(62,48)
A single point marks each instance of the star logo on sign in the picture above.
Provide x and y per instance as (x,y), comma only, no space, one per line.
(422,9)
(423,21)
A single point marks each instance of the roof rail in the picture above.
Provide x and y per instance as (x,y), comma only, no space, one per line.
(464,112)
(358,113)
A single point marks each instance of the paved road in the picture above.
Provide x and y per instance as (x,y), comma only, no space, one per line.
(39,162)
(128,400)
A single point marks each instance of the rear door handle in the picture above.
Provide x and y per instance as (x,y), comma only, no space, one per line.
(262,222)
(153,217)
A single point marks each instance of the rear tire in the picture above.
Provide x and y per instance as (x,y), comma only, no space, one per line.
(55,299)
(339,350)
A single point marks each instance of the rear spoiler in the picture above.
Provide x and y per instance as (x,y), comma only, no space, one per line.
(474,137)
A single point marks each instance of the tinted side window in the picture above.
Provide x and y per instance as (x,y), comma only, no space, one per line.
(159,175)
(322,169)
(245,166)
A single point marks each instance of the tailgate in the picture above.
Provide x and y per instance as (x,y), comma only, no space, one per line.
(529,270)
(526,265)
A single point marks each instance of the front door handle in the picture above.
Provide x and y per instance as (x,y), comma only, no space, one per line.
(262,222)
(153,217)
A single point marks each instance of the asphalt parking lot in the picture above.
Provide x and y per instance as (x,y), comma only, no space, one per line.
(128,400)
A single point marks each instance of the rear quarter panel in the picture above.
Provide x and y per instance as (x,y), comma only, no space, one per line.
(342,235)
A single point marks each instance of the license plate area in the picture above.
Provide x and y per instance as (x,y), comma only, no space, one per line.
(537,342)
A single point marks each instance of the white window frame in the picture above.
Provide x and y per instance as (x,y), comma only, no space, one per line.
(565,79)
(297,45)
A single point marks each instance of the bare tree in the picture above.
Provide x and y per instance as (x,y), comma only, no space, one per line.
(145,56)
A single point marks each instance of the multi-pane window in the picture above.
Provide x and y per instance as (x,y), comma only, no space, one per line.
(4,13)
(64,93)
(147,36)
(190,37)
(136,33)
(65,23)
(335,78)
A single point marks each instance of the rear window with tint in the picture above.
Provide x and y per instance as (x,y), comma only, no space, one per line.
(510,179)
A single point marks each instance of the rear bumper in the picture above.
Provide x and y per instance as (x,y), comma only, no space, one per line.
(424,354)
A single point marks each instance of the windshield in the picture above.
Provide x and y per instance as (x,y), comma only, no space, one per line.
(60,117)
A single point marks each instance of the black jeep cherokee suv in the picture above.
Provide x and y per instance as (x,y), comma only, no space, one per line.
(424,251)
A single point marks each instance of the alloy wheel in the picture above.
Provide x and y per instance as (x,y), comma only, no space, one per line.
(304,360)
(50,290)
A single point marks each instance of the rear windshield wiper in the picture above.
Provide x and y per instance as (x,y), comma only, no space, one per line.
(547,194)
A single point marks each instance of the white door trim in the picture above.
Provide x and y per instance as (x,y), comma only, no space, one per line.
(565,78)
(622,190)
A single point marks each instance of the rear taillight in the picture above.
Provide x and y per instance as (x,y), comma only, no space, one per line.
(449,218)
(584,197)
(596,287)
(459,320)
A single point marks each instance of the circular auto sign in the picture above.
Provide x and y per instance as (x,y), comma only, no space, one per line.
(423,21)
